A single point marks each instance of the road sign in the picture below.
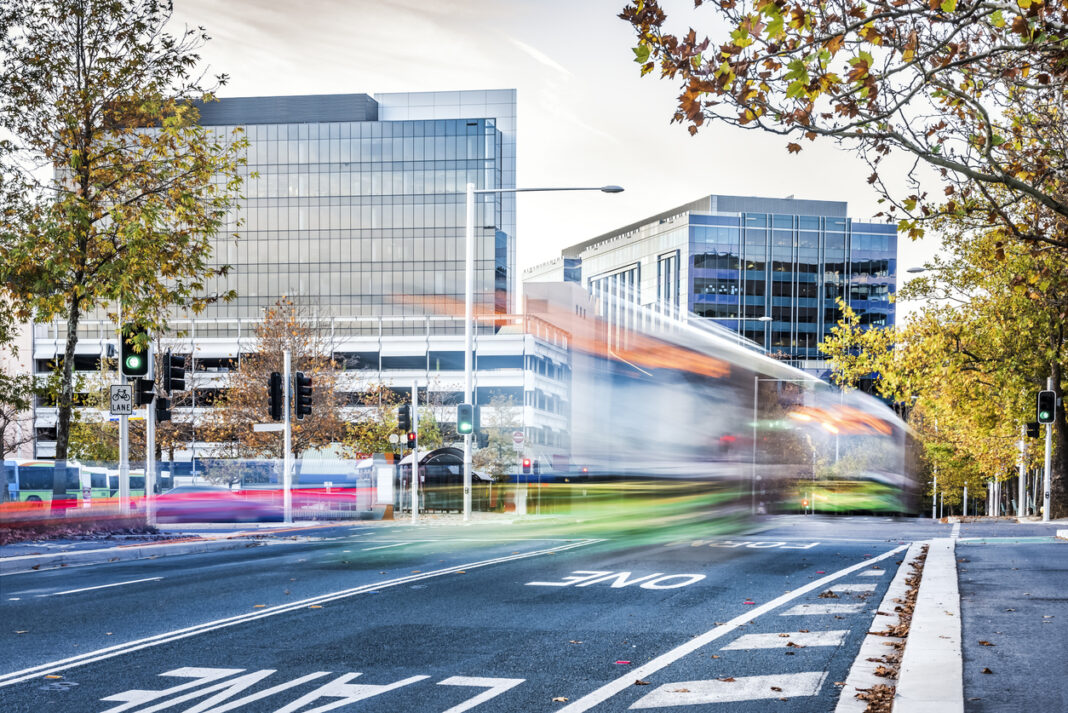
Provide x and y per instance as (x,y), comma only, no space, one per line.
(517,438)
(121,400)
(260,427)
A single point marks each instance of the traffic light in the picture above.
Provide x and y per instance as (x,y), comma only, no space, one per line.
(1047,406)
(537,467)
(465,419)
(163,409)
(173,372)
(526,466)
(1032,429)
(404,418)
(144,391)
(302,393)
(133,362)
(411,439)
(277,398)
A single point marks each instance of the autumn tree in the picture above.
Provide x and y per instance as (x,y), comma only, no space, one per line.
(372,421)
(246,401)
(973,89)
(102,94)
(16,422)
(970,362)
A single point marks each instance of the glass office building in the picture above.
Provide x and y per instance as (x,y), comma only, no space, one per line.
(354,203)
(733,260)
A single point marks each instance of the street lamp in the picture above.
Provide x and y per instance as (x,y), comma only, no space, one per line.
(469,288)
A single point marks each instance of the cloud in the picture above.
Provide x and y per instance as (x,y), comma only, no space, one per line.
(541,57)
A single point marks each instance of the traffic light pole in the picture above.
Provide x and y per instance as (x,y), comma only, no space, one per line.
(150,462)
(124,437)
(287,459)
(1049,458)
(1021,503)
(415,452)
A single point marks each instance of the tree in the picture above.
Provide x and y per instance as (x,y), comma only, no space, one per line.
(971,361)
(501,420)
(974,89)
(130,215)
(16,423)
(245,400)
(367,431)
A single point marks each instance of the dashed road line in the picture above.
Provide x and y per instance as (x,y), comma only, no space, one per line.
(810,609)
(854,587)
(873,573)
(780,640)
(742,688)
(101,586)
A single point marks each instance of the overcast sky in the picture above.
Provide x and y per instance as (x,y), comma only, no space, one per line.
(585,116)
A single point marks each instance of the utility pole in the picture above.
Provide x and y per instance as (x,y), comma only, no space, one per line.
(934,496)
(287,460)
(415,452)
(124,438)
(964,509)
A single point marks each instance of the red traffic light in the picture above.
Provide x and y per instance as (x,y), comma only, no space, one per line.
(411,439)
(804,503)
(585,469)
(526,465)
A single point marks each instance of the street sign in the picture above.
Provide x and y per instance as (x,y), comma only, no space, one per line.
(517,438)
(261,427)
(121,400)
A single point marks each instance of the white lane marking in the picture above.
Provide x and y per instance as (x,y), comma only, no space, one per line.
(798,638)
(338,688)
(872,573)
(855,587)
(138,644)
(955,532)
(744,688)
(624,682)
(657,580)
(810,609)
(199,675)
(102,586)
(496,687)
(382,547)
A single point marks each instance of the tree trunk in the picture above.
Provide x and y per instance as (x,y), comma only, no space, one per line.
(65,404)
(1059,466)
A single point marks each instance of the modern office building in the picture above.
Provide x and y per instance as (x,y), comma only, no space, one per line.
(734,260)
(354,209)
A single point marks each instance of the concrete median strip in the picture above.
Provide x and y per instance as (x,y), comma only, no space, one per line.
(27,563)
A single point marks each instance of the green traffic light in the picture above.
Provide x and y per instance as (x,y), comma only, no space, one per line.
(133,362)
(464,428)
(1044,416)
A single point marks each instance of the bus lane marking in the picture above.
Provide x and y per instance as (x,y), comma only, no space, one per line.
(754,544)
(656,580)
(88,657)
(643,672)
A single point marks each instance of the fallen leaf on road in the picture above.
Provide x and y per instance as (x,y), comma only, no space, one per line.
(986,670)
(784,636)
(416,571)
(1047,616)
(560,699)
(793,645)
(784,699)
(681,690)
(715,656)
(623,663)
(789,653)
(776,688)
(985,643)
(315,606)
(827,595)
(820,571)
(1010,610)
(53,676)
(24,631)
(258,606)
(748,602)
(574,642)
(839,683)
(37,566)
(803,631)
(728,679)
(640,682)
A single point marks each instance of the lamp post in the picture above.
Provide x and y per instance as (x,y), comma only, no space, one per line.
(469,289)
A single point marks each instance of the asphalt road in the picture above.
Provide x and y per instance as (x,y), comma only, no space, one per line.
(442,620)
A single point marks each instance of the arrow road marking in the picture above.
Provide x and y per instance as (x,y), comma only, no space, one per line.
(744,688)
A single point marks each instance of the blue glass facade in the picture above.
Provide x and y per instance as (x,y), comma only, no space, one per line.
(353,204)
(791,268)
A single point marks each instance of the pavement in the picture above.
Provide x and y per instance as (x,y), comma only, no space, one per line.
(510,608)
